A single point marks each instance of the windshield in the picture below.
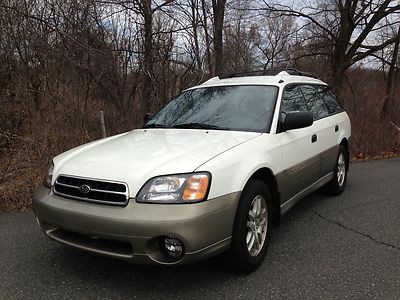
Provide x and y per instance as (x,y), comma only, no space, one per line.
(246,108)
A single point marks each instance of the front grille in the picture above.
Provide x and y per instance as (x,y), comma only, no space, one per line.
(92,190)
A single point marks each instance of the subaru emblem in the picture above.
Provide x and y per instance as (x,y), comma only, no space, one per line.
(84,188)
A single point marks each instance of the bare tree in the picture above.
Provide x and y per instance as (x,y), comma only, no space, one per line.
(146,9)
(348,27)
(240,39)
(275,40)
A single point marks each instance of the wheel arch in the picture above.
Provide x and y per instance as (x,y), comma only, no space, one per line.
(345,143)
(267,176)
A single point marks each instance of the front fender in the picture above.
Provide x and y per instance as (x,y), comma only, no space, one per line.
(232,169)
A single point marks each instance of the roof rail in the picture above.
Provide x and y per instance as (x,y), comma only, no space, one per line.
(293,71)
(271,72)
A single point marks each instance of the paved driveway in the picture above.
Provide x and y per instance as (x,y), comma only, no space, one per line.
(326,247)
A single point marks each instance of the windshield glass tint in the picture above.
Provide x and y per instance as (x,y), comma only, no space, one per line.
(225,107)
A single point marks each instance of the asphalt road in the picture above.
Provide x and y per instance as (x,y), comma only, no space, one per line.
(326,247)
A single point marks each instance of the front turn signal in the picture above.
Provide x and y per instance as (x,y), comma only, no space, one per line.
(196,188)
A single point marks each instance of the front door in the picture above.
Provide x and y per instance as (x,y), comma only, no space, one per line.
(300,151)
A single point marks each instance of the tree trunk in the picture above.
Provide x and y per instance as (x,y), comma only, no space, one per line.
(219,13)
(194,7)
(207,37)
(147,55)
(388,111)
(339,61)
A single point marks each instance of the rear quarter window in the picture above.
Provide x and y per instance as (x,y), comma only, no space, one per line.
(314,101)
(331,101)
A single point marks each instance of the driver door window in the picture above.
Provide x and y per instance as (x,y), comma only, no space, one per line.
(293,99)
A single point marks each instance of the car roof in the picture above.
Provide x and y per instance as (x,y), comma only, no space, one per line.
(282,78)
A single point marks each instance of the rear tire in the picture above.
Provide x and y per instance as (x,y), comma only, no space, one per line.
(338,183)
(252,228)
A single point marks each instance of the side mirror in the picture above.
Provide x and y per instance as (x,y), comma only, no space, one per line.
(296,120)
(147,117)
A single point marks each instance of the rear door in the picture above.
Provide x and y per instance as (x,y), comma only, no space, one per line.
(335,126)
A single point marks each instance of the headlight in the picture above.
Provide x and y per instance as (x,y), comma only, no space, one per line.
(181,188)
(49,175)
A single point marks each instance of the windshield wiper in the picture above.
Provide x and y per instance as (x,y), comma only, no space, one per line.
(155,125)
(199,126)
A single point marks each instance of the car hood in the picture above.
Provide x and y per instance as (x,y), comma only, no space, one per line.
(139,155)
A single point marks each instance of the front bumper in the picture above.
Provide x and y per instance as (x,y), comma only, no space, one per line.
(133,232)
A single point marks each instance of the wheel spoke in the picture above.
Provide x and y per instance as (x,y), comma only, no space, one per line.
(255,206)
(259,231)
(248,237)
(252,214)
(251,242)
(258,206)
(262,222)
(257,241)
(263,214)
(250,225)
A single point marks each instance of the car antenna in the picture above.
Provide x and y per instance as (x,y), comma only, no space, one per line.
(289,63)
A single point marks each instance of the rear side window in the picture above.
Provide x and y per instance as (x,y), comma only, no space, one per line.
(331,101)
(293,99)
(315,104)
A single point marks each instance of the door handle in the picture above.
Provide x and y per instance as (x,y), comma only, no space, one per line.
(336,128)
(314,138)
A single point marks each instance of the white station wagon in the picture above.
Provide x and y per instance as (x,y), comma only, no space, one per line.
(210,173)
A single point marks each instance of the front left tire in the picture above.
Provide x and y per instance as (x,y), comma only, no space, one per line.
(252,227)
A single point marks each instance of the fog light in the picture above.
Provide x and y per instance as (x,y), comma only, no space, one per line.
(173,247)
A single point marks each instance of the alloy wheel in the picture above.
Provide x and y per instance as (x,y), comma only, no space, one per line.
(341,169)
(257,225)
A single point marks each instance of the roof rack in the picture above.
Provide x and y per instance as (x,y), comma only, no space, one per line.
(271,72)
